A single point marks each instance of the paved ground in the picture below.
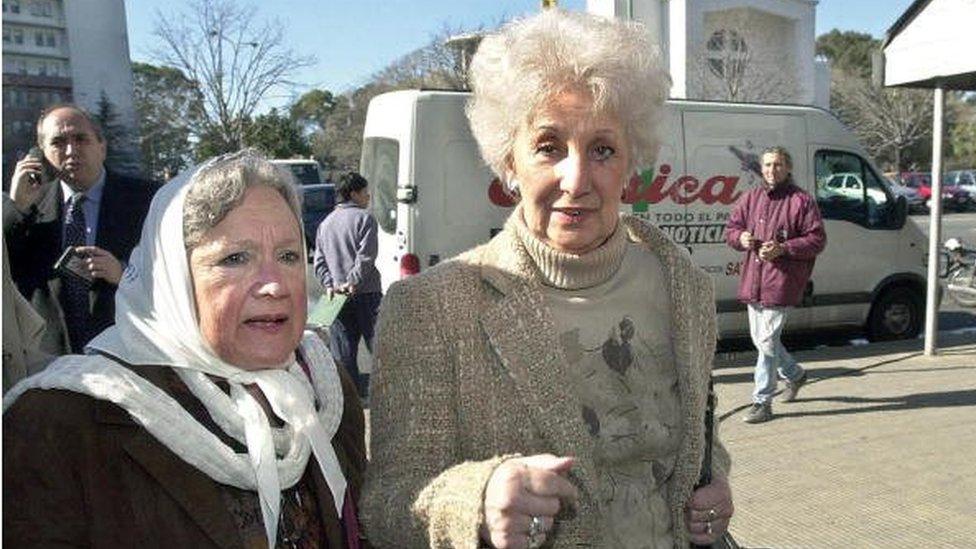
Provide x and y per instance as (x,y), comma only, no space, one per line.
(879,450)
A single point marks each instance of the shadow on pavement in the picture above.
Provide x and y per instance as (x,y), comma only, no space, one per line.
(945,399)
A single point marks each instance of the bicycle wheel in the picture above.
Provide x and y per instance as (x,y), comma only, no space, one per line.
(962,286)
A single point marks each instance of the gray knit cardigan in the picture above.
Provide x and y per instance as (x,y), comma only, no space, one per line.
(469,372)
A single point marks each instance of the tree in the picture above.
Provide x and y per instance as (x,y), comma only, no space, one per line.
(277,136)
(312,109)
(169,108)
(888,121)
(961,130)
(338,144)
(848,51)
(234,60)
(119,157)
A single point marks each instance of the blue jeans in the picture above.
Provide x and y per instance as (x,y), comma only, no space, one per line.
(355,321)
(765,327)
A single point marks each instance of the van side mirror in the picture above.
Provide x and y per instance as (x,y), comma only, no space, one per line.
(899,214)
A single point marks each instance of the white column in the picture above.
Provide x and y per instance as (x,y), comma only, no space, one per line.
(678,47)
(935,228)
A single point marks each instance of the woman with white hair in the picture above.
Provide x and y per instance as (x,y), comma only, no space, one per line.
(549,387)
(206,416)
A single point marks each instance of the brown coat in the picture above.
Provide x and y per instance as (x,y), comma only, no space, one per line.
(79,472)
(469,371)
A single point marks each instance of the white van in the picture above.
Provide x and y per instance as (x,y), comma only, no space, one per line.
(434,197)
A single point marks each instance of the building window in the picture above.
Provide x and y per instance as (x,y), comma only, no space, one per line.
(42,68)
(39,39)
(18,36)
(46,9)
(15,6)
(50,40)
(6,35)
(727,53)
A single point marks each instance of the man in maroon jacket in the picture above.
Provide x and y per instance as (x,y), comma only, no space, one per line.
(778,226)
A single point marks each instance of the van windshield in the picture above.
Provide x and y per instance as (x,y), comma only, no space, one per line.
(378,165)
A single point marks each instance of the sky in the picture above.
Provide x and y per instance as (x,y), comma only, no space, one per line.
(353,39)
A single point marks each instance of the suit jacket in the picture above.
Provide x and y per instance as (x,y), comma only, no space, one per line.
(470,371)
(34,243)
(79,472)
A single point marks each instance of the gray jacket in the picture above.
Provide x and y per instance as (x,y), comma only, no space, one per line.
(345,249)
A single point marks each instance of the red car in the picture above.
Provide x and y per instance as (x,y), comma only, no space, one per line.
(916,180)
(953,196)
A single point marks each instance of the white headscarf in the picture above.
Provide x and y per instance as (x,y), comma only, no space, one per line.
(156,325)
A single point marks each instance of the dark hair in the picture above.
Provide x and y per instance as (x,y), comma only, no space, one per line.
(96,127)
(349,183)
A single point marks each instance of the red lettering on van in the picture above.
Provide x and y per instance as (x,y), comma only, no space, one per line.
(684,190)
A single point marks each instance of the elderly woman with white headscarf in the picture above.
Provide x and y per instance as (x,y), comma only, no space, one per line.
(207,416)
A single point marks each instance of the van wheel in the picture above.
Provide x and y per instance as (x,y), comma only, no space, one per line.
(896,314)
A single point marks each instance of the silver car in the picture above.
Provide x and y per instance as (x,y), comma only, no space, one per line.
(916,204)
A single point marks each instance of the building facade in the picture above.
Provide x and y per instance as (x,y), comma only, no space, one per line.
(62,50)
(734,50)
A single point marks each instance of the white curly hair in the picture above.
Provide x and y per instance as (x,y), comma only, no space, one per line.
(529,61)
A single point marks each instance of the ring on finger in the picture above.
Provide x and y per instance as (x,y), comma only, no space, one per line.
(712,515)
(708,527)
(537,532)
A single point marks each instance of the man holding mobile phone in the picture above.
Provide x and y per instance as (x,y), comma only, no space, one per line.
(61,197)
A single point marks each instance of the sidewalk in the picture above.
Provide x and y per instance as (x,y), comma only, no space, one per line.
(879,450)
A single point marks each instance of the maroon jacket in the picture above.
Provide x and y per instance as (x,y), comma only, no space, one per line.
(787,214)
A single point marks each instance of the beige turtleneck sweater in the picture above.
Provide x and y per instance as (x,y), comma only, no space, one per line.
(612,313)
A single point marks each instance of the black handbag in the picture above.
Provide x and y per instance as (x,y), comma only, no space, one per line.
(725,541)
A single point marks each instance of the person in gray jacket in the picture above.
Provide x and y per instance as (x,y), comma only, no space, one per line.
(345,255)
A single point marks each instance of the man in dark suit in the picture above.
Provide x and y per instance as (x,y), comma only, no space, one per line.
(67,199)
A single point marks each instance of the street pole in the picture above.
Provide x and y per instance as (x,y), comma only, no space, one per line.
(935,228)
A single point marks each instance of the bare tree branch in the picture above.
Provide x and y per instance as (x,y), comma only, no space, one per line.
(234,59)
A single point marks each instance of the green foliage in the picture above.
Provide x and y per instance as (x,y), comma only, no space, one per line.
(312,109)
(169,109)
(276,135)
(962,133)
(119,158)
(849,51)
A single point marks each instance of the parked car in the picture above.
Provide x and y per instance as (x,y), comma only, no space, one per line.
(953,197)
(305,170)
(318,195)
(849,185)
(317,202)
(920,181)
(914,200)
(963,179)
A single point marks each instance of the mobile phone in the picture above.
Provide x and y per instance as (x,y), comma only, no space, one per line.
(72,263)
(48,172)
